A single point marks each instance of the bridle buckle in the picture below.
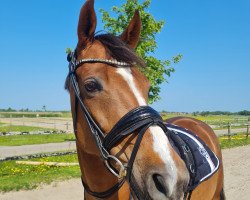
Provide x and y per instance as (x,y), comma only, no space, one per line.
(122,169)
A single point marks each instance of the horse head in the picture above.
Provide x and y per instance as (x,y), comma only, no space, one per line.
(109,92)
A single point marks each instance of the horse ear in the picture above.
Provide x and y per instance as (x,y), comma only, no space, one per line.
(87,23)
(131,34)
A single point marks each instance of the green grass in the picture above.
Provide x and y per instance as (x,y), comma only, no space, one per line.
(236,141)
(66,115)
(17,140)
(212,119)
(13,128)
(30,114)
(17,177)
(232,127)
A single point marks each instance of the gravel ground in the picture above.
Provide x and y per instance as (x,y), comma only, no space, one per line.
(237,173)
(66,190)
(9,151)
(237,181)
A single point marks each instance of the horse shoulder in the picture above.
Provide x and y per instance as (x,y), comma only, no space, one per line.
(206,133)
(201,129)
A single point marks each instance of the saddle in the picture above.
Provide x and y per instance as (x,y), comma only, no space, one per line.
(200,160)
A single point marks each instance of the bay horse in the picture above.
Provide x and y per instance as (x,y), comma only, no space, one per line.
(123,145)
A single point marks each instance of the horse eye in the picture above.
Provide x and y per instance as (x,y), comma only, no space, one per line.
(92,86)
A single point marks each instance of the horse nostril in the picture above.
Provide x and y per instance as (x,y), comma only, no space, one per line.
(160,183)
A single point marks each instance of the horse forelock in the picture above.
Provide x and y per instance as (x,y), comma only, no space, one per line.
(116,49)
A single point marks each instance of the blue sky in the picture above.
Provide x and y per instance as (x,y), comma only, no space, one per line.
(213,37)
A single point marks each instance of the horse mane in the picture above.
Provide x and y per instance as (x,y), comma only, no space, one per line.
(118,50)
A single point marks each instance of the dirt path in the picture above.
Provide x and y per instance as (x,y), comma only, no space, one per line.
(65,124)
(66,190)
(9,151)
(237,173)
(237,181)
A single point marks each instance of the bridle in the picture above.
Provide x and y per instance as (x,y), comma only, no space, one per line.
(136,121)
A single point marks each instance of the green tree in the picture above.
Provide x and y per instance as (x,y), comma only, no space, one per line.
(157,70)
(10,110)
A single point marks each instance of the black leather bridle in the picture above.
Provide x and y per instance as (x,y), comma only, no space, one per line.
(136,121)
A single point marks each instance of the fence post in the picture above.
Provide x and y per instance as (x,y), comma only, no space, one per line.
(67,126)
(237,120)
(10,119)
(247,131)
(10,123)
(229,131)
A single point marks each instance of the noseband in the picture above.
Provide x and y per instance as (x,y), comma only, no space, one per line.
(136,121)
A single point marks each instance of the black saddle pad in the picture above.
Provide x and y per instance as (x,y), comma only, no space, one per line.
(205,160)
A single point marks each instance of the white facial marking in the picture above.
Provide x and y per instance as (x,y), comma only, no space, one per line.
(160,141)
(126,74)
(161,146)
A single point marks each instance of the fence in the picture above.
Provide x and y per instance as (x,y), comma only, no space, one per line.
(29,114)
(64,124)
(224,122)
(230,130)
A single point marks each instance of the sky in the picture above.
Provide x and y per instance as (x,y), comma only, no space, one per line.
(213,37)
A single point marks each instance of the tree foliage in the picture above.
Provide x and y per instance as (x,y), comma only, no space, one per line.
(206,113)
(157,70)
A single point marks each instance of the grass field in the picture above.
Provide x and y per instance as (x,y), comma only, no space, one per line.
(212,119)
(65,114)
(236,141)
(232,127)
(16,177)
(13,128)
(17,140)
(217,120)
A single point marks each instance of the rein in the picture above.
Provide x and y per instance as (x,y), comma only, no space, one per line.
(138,119)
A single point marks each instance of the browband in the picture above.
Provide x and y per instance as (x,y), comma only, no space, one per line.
(77,63)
